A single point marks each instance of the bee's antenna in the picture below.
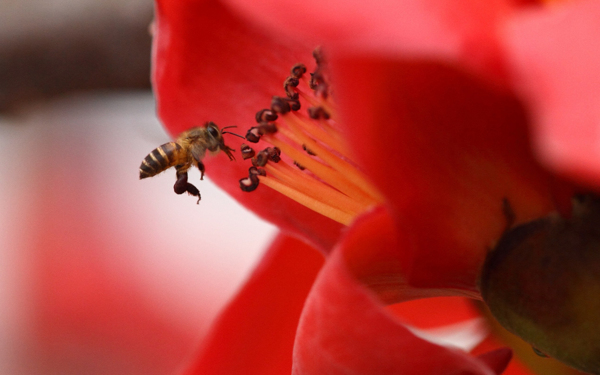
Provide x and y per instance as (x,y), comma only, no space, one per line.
(229,127)
(237,135)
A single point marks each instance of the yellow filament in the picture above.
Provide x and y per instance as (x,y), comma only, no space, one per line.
(318,102)
(314,204)
(309,186)
(325,173)
(310,98)
(325,137)
(346,169)
(290,135)
(326,125)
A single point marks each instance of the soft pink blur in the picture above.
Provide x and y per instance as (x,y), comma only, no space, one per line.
(100,272)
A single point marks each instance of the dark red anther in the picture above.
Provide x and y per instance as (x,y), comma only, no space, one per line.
(261,159)
(247,151)
(257,171)
(289,86)
(317,79)
(322,90)
(291,81)
(308,151)
(312,82)
(318,55)
(265,115)
(298,70)
(273,154)
(253,135)
(318,113)
(267,128)
(294,104)
(249,183)
(280,105)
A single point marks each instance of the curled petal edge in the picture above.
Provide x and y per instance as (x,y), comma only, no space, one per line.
(344,328)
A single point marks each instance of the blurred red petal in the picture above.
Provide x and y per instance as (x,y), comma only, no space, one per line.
(345,329)
(430,28)
(445,148)
(256,331)
(211,65)
(554,54)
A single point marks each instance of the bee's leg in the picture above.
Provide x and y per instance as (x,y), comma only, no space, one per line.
(202,169)
(181,186)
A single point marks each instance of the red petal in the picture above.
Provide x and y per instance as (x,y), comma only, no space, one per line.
(491,344)
(256,331)
(497,360)
(435,312)
(211,65)
(555,57)
(345,329)
(432,28)
(445,148)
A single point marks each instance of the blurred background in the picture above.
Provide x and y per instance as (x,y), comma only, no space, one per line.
(100,273)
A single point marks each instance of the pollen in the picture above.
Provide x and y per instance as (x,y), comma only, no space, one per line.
(308,159)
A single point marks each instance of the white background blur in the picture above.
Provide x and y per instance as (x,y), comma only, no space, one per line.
(101,273)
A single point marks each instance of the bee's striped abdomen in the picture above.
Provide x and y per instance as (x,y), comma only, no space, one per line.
(161,158)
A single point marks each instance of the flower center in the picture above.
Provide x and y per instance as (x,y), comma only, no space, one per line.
(309,161)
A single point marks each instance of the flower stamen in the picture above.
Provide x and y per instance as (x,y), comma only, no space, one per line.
(315,204)
(330,137)
(352,173)
(325,180)
(246,151)
(311,187)
(326,173)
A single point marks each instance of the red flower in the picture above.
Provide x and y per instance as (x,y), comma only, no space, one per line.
(436,102)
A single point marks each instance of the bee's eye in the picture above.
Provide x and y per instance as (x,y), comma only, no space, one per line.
(213,131)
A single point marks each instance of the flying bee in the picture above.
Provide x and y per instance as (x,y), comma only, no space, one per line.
(188,150)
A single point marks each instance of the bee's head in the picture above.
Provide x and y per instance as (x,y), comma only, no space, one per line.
(216,138)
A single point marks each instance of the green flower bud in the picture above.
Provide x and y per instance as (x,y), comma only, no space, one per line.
(542,282)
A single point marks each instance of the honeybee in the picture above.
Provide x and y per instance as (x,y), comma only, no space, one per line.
(188,150)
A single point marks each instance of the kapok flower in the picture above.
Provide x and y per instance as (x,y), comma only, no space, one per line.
(431,133)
